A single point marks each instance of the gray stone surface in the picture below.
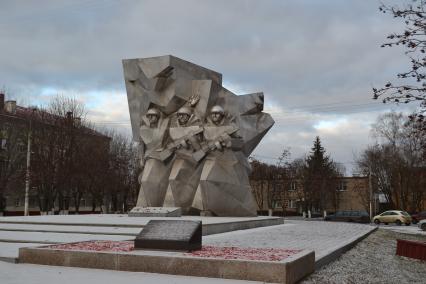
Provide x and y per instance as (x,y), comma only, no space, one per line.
(195,136)
(71,228)
(289,270)
(155,212)
(328,240)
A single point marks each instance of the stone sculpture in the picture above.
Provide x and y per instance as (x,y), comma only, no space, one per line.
(185,175)
(195,136)
(153,178)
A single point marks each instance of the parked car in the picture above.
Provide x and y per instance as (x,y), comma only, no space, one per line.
(418,217)
(422,225)
(349,216)
(393,216)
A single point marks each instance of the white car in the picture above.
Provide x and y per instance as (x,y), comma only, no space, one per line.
(422,225)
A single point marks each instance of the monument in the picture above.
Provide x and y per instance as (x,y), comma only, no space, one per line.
(195,137)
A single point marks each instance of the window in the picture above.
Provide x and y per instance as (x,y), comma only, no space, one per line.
(343,186)
(3,142)
(292,204)
(277,204)
(17,202)
(33,202)
(293,186)
(22,147)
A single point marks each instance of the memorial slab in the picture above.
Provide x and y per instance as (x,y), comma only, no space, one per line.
(170,235)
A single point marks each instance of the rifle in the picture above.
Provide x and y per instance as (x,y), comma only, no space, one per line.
(224,140)
(182,142)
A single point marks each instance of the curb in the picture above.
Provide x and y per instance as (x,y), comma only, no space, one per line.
(338,252)
(9,259)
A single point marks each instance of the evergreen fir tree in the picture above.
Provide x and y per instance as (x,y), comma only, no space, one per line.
(320,178)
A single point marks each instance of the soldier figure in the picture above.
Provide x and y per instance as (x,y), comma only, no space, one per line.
(153,116)
(184,117)
(185,132)
(217,116)
(224,164)
(153,179)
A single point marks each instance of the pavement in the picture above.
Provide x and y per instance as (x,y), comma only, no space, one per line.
(322,237)
(115,220)
(413,229)
(318,236)
(43,274)
(328,239)
(20,231)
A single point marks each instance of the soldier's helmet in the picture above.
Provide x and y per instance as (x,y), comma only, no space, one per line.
(153,111)
(184,110)
(217,109)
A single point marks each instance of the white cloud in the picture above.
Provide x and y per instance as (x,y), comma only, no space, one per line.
(316,61)
(332,127)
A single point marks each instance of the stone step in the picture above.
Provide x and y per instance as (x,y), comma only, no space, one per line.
(53,238)
(70,229)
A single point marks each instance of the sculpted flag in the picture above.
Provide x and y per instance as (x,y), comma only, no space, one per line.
(195,136)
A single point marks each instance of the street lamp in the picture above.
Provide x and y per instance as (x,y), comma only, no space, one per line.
(28,173)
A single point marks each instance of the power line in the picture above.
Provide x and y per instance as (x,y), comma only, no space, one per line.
(274,158)
(326,108)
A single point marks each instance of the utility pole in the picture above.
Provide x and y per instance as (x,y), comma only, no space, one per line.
(370,187)
(28,173)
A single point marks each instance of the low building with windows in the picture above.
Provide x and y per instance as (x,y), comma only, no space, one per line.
(15,125)
(285,197)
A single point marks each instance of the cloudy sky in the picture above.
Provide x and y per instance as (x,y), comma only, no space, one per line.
(316,61)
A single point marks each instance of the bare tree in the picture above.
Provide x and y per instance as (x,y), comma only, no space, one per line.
(268,182)
(66,152)
(120,175)
(257,182)
(396,162)
(70,159)
(296,175)
(69,115)
(13,134)
(411,84)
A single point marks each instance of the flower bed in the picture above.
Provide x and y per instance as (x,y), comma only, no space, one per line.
(119,246)
(262,254)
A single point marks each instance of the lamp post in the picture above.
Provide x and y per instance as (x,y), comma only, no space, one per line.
(28,172)
(370,187)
